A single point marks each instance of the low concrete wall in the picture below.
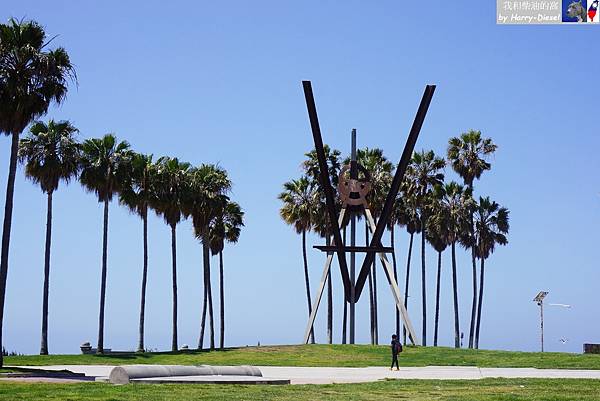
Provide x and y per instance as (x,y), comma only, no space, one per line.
(123,374)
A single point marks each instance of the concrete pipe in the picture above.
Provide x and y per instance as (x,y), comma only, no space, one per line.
(124,374)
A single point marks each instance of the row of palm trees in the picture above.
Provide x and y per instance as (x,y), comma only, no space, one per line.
(31,79)
(174,190)
(445,214)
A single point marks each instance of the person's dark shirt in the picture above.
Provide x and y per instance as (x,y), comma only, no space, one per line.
(394,347)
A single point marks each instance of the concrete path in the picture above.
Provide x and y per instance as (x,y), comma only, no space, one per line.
(300,375)
(325,375)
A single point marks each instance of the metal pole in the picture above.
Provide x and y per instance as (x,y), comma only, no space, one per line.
(542,322)
(353,173)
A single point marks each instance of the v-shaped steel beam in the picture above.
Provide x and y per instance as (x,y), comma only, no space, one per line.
(391,197)
(326,184)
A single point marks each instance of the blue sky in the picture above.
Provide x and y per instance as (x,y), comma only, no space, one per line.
(220,82)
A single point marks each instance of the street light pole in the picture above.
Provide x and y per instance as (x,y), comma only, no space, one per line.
(539,299)
(542,322)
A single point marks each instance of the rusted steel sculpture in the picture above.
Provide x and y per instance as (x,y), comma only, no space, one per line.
(352,192)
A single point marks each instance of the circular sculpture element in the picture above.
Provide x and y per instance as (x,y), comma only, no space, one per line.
(348,186)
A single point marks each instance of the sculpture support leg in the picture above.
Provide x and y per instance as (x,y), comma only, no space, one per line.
(398,297)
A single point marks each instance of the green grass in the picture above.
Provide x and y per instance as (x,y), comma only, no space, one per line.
(414,390)
(328,355)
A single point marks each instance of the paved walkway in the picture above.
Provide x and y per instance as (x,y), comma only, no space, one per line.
(324,375)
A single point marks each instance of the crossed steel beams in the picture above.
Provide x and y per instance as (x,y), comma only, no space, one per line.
(389,274)
(375,245)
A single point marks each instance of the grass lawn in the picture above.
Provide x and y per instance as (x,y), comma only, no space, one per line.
(414,390)
(328,355)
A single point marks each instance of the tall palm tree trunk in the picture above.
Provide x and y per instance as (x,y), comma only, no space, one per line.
(345,318)
(141,346)
(406,282)
(222,302)
(395,278)
(345,323)
(44,344)
(207,285)
(203,320)
(375,320)
(479,303)
(423,282)
(372,323)
(437,300)
(329,309)
(455,293)
(100,348)
(329,303)
(174,346)
(211,318)
(307,283)
(8,209)
(371,302)
(474,301)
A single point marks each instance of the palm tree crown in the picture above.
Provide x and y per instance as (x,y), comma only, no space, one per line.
(205,197)
(467,155)
(424,173)
(226,227)
(50,153)
(139,189)
(311,165)
(171,182)
(381,170)
(31,77)
(451,210)
(104,166)
(491,227)
(298,204)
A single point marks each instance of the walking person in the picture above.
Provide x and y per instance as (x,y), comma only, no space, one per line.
(396,349)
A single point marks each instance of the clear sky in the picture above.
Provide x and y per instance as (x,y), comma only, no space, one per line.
(220,82)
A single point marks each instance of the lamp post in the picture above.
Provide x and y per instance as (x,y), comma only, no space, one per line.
(539,299)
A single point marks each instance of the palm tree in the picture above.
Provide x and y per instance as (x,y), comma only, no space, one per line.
(380,169)
(453,205)
(297,210)
(51,155)
(31,78)
(491,228)
(104,170)
(437,236)
(425,172)
(467,154)
(395,220)
(408,216)
(170,182)
(320,217)
(205,200)
(137,197)
(225,227)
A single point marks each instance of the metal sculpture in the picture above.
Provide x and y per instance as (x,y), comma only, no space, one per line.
(353,193)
